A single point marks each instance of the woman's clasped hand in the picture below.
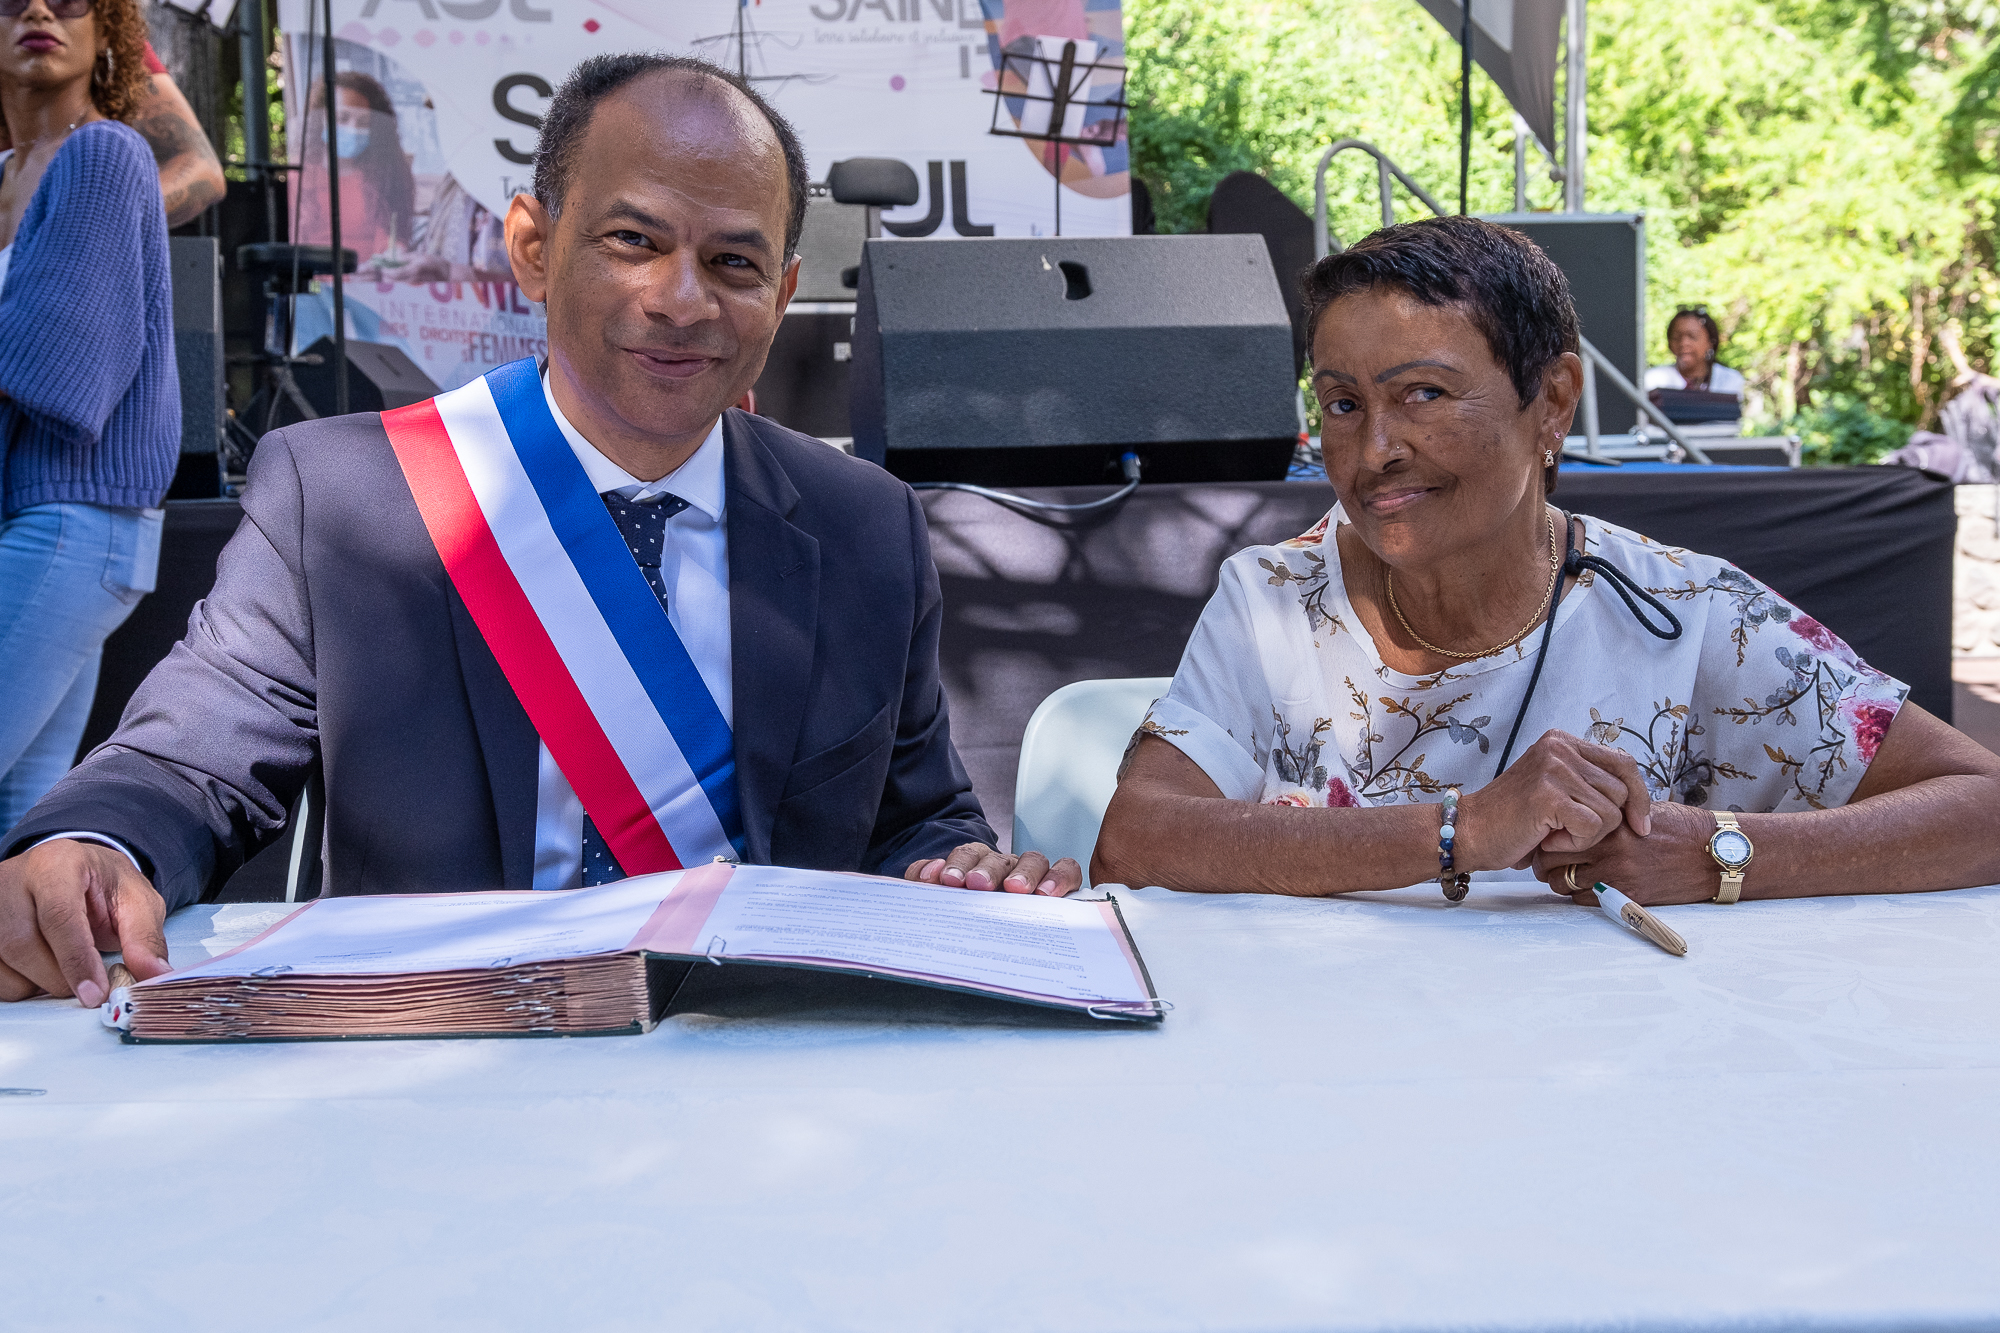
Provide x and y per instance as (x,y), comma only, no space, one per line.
(1563,797)
(1574,813)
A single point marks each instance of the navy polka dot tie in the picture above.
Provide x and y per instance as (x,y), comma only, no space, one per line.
(643,524)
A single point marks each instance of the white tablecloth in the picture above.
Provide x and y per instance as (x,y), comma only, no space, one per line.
(1366,1113)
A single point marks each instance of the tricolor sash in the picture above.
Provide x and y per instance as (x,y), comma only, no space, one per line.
(582,639)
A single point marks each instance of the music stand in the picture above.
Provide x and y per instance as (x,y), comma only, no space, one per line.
(1054,96)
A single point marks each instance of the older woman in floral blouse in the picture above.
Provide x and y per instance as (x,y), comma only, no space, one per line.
(1348,707)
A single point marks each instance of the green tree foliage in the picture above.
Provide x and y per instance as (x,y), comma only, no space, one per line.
(1822,174)
(1840,428)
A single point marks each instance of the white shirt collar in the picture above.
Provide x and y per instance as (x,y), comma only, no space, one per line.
(698,481)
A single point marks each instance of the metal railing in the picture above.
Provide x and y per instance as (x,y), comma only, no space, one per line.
(1324,241)
(1523,137)
(1591,356)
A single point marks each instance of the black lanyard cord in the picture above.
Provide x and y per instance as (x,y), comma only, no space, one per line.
(1574,563)
(1622,584)
(1541,654)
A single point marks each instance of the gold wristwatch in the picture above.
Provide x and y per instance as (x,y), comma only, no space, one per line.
(1730,846)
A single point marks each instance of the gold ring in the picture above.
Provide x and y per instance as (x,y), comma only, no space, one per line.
(1569,873)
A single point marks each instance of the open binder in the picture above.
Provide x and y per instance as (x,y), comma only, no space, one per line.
(606,960)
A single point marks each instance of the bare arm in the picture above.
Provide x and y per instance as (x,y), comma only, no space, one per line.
(1925,816)
(1170,825)
(190,174)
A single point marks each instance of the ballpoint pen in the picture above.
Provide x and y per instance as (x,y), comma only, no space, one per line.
(1626,912)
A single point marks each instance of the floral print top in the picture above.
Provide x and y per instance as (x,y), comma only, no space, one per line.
(1282,698)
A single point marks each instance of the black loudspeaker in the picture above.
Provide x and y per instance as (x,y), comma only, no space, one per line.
(1246,202)
(378,377)
(804,383)
(196,266)
(1604,257)
(1038,362)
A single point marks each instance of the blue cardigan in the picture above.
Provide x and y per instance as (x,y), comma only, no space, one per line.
(92,412)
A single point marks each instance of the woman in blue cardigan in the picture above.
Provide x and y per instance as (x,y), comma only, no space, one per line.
(90,418)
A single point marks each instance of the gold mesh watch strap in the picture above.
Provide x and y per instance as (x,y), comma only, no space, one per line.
(1732,880)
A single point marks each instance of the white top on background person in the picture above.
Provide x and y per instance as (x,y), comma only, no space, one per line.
(1721,379)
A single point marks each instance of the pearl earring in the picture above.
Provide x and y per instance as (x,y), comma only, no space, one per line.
(1548,458)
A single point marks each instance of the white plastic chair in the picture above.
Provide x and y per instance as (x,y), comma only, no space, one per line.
(1069,763)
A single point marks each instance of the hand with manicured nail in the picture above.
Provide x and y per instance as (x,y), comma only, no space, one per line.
(63,901)
(974,865)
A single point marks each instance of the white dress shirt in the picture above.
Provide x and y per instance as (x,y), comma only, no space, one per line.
(695,569)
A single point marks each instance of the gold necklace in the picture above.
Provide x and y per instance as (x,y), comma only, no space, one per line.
(1548,597)
(23,149)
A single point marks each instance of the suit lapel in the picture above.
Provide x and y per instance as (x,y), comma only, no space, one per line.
(773,623)
(507,742)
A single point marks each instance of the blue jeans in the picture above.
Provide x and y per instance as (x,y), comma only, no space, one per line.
(69,575)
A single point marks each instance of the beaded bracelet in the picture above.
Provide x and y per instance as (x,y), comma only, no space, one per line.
(1455,886)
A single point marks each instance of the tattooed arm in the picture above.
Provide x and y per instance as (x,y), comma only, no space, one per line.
(190,174)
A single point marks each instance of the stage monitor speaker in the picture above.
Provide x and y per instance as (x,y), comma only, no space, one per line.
(1604,257)
(829,246)
(804,381)
(1038,362)
(379,377)
(1245,202)
(195,265)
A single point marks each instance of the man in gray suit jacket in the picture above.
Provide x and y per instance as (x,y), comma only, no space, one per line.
(661,236)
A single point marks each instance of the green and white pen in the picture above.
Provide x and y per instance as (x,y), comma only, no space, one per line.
(1628,913)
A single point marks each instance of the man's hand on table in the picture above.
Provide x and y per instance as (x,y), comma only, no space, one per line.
(977,866)
(62,902)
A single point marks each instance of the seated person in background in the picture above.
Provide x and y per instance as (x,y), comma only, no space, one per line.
(566,623)
(1694,339)
(1445,617)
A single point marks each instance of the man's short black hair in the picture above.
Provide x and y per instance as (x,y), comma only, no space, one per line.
(1512,292)
(598,77)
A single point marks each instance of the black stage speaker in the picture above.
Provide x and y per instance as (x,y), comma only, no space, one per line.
(804,381)
(196,266)
(1038,362)
(1245,202)
(379,377)
(1604,257)
(829,246)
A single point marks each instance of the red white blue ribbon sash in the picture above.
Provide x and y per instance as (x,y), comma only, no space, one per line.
(581,637)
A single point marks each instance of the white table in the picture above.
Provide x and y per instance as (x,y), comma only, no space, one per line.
(1367,1113)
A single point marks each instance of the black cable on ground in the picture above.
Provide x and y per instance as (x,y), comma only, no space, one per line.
(1128,463)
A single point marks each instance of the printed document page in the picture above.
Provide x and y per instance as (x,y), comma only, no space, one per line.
(1024,943)
(438,932)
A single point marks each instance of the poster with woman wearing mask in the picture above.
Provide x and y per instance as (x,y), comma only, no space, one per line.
(437,108)
(378,191)
(432,276)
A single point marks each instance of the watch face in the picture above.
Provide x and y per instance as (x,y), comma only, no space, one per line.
(1730,847)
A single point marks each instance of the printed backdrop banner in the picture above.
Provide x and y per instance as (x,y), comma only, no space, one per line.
(438,102)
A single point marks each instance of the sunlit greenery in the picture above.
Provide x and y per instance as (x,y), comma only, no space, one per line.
(1821,173)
